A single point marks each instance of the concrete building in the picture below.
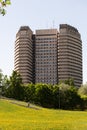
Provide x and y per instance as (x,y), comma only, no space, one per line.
(23,60)
(46,56)
(69,54)
(49,55)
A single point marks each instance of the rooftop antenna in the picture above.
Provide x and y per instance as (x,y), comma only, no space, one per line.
(47,25)
(53,23)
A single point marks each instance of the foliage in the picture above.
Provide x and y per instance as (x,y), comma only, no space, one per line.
(5,84)
(15,88)
(69,81)
(1,76)
(61,96)
(73,100)
(69,98)
(83,90)
(43,95)
(29,92)
(56,96)
(3,4)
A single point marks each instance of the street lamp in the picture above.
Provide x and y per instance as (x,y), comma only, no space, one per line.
(59,98)
(0,90)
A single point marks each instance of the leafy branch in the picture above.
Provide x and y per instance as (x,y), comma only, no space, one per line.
(3,4)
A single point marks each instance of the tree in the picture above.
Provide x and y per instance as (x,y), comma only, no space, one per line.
(73,100)
(1,76)
(3,4)
(29,92)
(56,96)
(43,95)
(83,90)
(63,88)
(69,81)
(15,88)
(5,84)
(69,98)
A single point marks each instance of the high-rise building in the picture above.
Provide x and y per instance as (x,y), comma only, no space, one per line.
(69,54)
(23,60)
(49,55)
(46,56)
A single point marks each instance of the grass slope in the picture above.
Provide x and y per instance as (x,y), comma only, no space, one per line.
(15,117)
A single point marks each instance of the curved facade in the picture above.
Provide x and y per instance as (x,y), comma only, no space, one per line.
(69,54)
(24,54)
(49,56)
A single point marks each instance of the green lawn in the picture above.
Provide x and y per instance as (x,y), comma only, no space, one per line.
(15,117)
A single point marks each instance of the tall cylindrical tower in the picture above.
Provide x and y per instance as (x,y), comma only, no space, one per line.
(69,54)
(23,62)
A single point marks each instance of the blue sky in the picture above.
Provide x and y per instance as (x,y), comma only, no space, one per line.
(39,14)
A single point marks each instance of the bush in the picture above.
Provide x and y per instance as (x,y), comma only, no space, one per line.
(43,95)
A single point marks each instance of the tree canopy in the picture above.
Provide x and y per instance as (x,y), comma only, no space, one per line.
(3,4)
(59,96)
